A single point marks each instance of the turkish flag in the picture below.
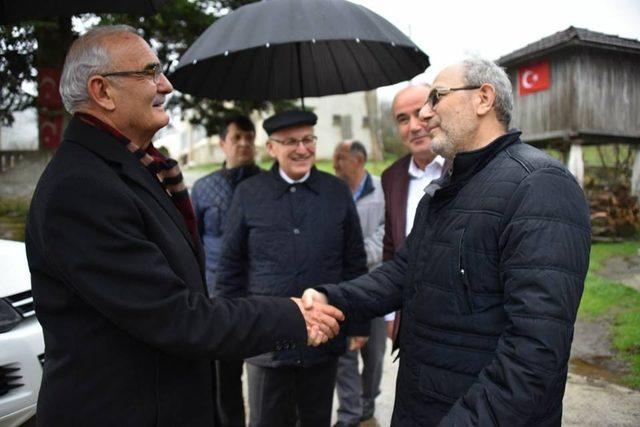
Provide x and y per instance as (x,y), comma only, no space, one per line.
(48,88)
(50,131)
(534,77)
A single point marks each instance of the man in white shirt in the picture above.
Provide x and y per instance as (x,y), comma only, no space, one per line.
(405,180)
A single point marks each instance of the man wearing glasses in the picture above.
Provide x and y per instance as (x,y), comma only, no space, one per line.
(286,228)
(490,276)
(116,263)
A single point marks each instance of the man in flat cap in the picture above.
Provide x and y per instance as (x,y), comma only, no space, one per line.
(287,228)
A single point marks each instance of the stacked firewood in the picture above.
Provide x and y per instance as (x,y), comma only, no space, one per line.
(614,211)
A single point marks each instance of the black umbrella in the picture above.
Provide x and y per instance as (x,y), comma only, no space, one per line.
(13,11)
(285,49)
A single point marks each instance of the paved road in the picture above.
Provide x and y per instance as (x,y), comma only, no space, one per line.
(588,402)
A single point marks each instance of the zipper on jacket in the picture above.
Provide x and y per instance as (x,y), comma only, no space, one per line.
(462,272)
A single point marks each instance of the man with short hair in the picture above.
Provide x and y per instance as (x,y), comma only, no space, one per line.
(357,392)
(211,197)
(288,227)
(490,277)
(116,263)
(405,180)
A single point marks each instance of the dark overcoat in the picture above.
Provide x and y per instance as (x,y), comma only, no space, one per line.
(119,290)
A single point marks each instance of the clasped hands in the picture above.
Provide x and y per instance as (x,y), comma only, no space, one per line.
(320,317)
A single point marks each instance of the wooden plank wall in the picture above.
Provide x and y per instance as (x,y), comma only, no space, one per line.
(608,92)
(591,90)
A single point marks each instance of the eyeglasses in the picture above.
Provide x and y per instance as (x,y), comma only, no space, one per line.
(437,93)
(308,141)
(154,71)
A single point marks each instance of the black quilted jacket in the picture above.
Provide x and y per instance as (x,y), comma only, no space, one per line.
(489,282)
(281,239)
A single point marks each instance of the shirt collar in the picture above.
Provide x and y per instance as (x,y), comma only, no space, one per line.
(416,172)
(310,180)
(284,176)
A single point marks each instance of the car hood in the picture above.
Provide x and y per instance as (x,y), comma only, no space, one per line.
(14,270)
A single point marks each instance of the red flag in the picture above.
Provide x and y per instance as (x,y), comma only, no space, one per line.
(48,84)
(50,131)
(534,77)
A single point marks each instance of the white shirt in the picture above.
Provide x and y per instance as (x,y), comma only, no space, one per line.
(418,181)
(293,181)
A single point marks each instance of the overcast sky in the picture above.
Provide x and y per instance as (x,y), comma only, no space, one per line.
(451,30)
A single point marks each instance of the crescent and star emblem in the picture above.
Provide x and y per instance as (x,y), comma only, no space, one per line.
(529,79)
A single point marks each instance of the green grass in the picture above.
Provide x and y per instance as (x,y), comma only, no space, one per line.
(604,297)
(13,214)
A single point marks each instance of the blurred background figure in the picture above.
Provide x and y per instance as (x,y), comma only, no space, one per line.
(357,392)
(211,196)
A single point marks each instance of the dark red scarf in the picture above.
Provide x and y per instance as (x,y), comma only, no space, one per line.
(165,169)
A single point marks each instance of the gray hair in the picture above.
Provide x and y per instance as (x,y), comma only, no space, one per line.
(88,56)
(479,71)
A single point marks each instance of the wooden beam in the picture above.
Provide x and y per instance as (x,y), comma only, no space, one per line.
(575,163)
(635,176)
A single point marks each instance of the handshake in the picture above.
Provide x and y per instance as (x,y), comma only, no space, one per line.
(322,319)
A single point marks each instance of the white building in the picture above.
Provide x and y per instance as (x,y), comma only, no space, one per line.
(340,117)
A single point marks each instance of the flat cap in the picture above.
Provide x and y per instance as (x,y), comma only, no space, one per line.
(288,119)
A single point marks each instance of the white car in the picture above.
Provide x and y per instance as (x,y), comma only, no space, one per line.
(21,341)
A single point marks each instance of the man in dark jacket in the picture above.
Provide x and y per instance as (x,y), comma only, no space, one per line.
(286,228)
(490,277)
(116,265)
(211,197)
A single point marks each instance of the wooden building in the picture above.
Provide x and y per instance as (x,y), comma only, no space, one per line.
(575,88)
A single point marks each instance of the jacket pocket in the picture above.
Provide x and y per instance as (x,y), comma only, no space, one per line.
(460,277)
(443,385)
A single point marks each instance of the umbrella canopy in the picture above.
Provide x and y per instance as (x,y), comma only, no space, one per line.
(13,11)
(285,49)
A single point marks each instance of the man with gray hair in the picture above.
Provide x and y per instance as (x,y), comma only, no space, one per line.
(116,264)
(491,275)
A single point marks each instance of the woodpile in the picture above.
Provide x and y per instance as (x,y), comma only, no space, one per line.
(614,211)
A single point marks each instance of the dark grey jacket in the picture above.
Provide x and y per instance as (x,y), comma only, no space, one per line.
(489,282)
(281,239)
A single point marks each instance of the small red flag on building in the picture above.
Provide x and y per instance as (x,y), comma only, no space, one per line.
(534,78)
(48,88)
(50,131)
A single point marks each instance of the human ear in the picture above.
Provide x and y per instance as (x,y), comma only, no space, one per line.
(100,92)
(486,100)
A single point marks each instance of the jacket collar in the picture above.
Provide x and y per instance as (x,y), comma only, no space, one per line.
(368,187)
(104,144)
(238,174)
(282,186)
(466,165)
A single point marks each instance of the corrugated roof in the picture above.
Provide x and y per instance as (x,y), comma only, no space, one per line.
(572,36)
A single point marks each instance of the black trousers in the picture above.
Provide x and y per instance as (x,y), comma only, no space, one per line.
(229,401)
(291,396)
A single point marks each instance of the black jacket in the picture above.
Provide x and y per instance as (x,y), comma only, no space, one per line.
(281,239)
(118,286)
(489,281)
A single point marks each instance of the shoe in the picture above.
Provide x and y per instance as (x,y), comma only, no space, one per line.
(368,411)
